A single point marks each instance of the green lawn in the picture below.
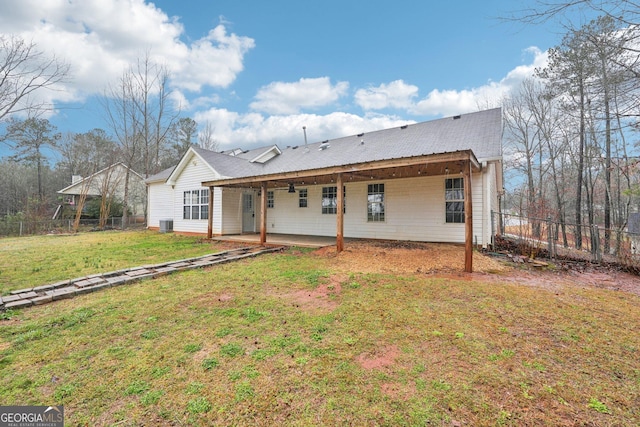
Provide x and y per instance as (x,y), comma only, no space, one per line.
(40,260)
(286,339)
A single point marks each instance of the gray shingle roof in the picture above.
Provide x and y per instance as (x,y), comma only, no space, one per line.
(226,165)
(160,176)
(480,132)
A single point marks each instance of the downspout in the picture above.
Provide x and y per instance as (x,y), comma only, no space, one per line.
(486,208)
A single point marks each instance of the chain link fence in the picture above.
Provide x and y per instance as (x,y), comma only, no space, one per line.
(13,228)
(552,239)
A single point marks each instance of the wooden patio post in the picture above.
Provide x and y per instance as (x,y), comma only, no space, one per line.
(340,216)
(263,213)
(210,220)
(468,219)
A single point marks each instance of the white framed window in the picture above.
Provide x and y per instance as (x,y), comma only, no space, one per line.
(330,200)
(303,198)
(195,204)
(454,200)
(375,202)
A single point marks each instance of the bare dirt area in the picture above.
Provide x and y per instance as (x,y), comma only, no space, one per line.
(391,257)
(386,356)
(325,297)
(447,260)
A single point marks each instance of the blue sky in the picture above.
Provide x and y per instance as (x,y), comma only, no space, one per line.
(258,71)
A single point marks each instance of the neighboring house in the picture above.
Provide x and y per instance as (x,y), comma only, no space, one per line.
(108,181)
(418,182)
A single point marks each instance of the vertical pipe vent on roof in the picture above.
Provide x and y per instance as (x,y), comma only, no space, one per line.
(304,129)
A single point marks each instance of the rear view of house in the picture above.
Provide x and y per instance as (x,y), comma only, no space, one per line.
(435,181)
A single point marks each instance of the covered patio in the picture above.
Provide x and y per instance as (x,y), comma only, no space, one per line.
(460,163)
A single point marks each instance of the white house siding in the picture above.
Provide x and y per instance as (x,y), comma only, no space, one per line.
(162,199)
(160,203)
(490,201)
(478,197)
(190,179)
(414,210)
(229,212)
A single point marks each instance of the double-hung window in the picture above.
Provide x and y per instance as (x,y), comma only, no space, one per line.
(375,202)
(196,204)
(454,200)
(330,200)
(302,198)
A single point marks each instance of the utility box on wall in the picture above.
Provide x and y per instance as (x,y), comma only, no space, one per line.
(166,225)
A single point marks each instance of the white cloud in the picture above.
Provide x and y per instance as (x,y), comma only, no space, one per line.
(291,98)
(450,102)
(233,130)
(99,39)
(396,94)
(214,60)
(443,102)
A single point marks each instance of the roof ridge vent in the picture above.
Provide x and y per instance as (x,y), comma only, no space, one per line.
(404,126)
(324,145)
(456,117)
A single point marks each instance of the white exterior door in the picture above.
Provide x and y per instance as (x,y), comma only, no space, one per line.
(248,213)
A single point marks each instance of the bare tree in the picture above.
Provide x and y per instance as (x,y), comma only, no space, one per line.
(149,95)
(23,71)
(567,76)
(86,153)
(125,122)
(523,139)
(16,183)
(549,127)
(181,136)
(138,113)
(625,15)
(206,138)
(627,12)
(109,181)
(82,199)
